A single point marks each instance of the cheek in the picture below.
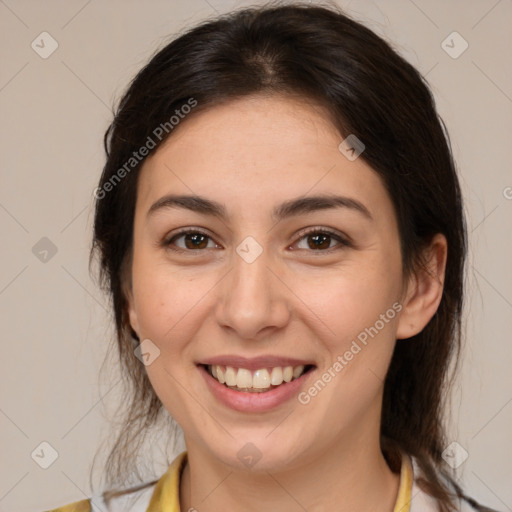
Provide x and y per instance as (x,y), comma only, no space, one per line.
(171,304)
(168,307)
(361,317)
(358,308)
(348,302)
(162,298)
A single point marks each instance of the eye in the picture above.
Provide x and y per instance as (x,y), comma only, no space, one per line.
(320,239)
(193,239)
(317,239)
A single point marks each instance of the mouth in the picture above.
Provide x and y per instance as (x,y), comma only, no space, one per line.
(261,380)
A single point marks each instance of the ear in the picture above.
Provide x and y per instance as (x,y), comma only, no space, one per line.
(126,287)
(132,312)
(424,289)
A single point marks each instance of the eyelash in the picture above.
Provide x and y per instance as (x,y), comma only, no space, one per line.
(342,242)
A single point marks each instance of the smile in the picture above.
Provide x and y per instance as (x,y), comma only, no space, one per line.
(255,385)
(258,381)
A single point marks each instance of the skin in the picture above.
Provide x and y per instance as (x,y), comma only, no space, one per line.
(293,300)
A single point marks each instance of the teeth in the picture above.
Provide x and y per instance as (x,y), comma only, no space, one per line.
(288,374)
(276,377)
(230,376)
(297,371)
(262,379)
(244,378)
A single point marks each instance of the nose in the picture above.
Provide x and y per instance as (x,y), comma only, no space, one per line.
(252,300)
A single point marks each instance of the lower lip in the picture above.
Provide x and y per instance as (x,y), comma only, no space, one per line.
(254,402)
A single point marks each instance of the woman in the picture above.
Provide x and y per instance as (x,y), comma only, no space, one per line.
(279,224)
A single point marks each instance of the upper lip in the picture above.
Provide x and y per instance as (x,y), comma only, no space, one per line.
(255,363)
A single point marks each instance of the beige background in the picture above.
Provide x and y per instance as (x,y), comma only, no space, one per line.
(55,325)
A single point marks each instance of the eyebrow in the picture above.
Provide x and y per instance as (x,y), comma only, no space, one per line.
(293,207)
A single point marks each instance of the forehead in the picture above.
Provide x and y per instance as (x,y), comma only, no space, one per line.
(257,149)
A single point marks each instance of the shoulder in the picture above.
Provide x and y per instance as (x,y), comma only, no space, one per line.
(77,506)
(130,501)
(423,502)
(149,495)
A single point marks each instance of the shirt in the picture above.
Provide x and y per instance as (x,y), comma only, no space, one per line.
(163,496)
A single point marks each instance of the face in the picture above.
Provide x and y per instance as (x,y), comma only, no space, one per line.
(257,276)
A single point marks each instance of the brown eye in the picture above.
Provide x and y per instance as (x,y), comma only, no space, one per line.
(191,240)
(321,240)
(195,241)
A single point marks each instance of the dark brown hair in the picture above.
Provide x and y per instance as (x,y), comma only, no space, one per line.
(322,55)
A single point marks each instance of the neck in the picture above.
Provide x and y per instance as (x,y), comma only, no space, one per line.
(354,476)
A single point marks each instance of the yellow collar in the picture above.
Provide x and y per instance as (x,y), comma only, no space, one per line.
(167,490)
(403,500)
